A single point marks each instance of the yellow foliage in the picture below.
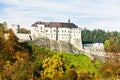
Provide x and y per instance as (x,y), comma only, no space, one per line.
(53,66)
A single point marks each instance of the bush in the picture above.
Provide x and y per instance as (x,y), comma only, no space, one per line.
(72,75)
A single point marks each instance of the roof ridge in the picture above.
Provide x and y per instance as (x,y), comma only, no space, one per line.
(55,24)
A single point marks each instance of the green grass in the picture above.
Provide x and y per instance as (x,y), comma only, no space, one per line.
(81,63)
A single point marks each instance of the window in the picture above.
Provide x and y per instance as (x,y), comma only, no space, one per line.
(41,28)
(54,30)
(46,30)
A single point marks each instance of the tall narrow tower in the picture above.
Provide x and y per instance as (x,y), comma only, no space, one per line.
(69,20)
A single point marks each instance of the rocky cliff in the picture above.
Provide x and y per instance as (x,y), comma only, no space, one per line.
(56,45)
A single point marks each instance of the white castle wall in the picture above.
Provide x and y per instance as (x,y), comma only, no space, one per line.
(72,35)
(64,34)
(24,37)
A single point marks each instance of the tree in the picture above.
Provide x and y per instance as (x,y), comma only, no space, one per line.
(72,75)
(2,31)
(11,41)
(23,30)
(96,35)
(111,68)
(53,67)
(107,44)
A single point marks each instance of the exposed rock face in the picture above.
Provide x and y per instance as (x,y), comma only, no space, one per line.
(77,43)
(64,47)
(56,45)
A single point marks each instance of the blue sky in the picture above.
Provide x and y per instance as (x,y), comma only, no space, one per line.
(92,14)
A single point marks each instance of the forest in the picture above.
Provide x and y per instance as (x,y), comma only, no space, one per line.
(27,61)
(109,39)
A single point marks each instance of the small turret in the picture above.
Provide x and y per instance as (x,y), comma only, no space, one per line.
(69,20)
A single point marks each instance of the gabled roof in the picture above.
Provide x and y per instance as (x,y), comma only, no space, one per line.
(55,24)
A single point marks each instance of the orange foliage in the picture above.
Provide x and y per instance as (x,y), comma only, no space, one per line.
(7,68)
(21,56)
(11,42)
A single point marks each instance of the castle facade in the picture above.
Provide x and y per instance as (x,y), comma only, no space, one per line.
(58,31)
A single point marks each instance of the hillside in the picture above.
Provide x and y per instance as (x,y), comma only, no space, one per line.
(80,62)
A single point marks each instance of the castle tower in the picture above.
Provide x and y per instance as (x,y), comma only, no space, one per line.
(15,28)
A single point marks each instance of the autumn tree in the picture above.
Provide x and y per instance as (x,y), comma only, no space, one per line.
(53,67)
(111,68)
(11,41)
(72,75)
(2,31)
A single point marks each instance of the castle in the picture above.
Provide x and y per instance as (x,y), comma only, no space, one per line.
(59,31)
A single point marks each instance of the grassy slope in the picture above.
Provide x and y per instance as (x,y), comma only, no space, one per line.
(80,62)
